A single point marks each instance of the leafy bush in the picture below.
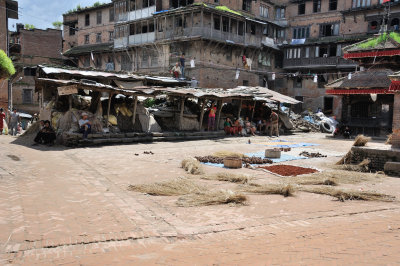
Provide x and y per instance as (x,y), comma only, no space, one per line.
(6,66)
(149,102)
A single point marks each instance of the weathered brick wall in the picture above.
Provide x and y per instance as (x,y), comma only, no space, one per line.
(378,157)
(396,121)
(40,46)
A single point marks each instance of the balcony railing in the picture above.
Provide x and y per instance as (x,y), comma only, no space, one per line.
(179,32)
(315,62)
(137,14)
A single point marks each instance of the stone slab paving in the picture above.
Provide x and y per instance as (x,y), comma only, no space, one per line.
(71,206)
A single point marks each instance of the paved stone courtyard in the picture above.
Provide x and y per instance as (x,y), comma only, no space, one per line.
(71,207)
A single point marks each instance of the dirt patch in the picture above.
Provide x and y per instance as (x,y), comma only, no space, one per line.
(14,157)
(288,170)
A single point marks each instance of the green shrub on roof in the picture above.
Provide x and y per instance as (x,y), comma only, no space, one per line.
(6,66)
(227,9)
(380,39)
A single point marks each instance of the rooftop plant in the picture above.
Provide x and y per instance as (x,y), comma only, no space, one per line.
(380,39)
(79,7)
(227,9)
(6,66)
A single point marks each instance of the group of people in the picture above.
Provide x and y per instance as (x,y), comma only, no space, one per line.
(13,121)
(240,128)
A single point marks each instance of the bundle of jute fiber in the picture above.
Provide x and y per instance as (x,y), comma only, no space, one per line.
(192,166)
(223,154)
(285,190)
(361,141)
(229,177)
(216,197)
(344,194)
(175,187)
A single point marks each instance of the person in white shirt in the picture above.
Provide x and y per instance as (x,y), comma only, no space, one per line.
(85,126)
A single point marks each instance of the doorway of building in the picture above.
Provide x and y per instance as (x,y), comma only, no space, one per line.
(328,105)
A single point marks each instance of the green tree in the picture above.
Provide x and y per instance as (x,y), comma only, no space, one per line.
(6,66)
(57,25)
(29,26)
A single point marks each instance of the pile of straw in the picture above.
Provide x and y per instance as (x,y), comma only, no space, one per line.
(361,141)
(229,177)
(224,154)
(361,167)
(343,195)
(192,166)
(337,176)
(285,190)
(176,187)
(216,197)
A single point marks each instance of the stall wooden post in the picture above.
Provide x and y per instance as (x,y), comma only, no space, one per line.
(254,109)
(218,114)
(181,113)
(108,108)
(202,105)
(69,102)
(134,112)
(240,108)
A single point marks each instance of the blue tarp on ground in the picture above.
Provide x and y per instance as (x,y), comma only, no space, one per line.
(284,158)
(281,145)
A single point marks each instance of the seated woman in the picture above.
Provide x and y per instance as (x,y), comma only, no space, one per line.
(250,128)
(46,135)
(228,127)
(237,127)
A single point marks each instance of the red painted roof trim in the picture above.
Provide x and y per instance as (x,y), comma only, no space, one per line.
(372,54)
(357,91)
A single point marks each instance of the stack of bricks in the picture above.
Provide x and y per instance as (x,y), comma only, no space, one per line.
(396,121)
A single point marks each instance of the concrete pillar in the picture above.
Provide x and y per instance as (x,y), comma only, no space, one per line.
(396,122)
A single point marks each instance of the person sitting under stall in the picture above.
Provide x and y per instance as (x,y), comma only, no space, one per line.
(250,128)
(46,135)
(262,126)
(237,127)
(346,133)
(85,126)
(229,130)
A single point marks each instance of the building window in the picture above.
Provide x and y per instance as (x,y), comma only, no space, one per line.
(301,33)
(241,28)
(99,17)
(302,8)
(264,11)
(27,96)
(98,61)
(253,28)
(217,23)
(86,61)
(307,52)
(98,37)
(316,6)
(87,39)
(110,36)
(332,4)
(246,5)
(280,12)
(225,24)
(362,3)
(297,82)
(245,83)
(126,63)
(111,17)
(280,34)
(87,20)
(329,30)
(71,30)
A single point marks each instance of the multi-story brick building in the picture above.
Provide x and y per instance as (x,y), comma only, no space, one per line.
(29,48)
(318,29)
(8,9)
(150,36)
(89,36)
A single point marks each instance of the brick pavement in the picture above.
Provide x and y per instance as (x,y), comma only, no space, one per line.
(72,207)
